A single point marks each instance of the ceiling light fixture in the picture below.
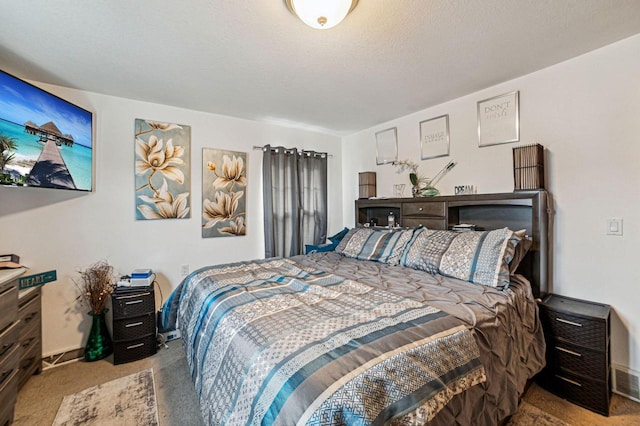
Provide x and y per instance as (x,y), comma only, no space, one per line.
(321,14)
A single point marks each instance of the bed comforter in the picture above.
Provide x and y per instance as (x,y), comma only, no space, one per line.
(324,339)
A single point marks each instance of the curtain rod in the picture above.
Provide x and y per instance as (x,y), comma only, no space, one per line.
(301,152)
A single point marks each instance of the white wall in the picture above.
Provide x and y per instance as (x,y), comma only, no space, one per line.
(586,113)
(68,231)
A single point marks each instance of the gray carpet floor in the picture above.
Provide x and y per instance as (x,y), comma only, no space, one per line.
(39,399)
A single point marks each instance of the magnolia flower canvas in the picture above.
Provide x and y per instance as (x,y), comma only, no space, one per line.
(224,193)
(162,170)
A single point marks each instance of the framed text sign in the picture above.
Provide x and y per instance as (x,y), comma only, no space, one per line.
(499,120)
(434,137)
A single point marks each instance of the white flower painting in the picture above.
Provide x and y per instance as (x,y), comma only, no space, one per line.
(224,187)
(162,170)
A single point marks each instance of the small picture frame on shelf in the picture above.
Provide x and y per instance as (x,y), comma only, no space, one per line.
(499,120)
(387,146)
(434,137)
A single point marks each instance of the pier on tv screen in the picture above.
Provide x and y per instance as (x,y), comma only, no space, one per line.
(45,141)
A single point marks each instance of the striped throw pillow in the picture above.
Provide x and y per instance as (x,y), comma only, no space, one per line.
(480,257)
(375,244)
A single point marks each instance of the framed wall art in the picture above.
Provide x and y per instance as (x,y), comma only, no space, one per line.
(434,137)
(163,178)
(499,119)
(387,146)
(224,193)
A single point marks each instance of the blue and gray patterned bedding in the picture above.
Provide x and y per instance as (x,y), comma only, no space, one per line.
(283,341)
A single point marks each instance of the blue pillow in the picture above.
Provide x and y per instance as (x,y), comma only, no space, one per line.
(310,248)
(339,236)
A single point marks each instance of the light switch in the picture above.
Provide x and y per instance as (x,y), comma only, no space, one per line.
(614,226)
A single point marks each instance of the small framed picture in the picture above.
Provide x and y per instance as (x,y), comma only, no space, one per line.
(499,119)
(434,137)
(387,146)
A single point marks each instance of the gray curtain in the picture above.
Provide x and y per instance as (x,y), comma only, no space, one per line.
(295,200)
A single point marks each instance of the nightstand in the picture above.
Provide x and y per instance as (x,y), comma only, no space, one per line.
(134,324)
(577,333)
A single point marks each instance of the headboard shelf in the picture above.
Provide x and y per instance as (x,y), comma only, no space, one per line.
(527,210)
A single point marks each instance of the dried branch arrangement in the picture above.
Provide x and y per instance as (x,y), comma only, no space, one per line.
(96,283)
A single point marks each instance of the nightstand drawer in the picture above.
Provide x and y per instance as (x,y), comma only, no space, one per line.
(132,350)
(583,331)
(8,340)
(131,328)
(130,305)
(582,361)
(591,394)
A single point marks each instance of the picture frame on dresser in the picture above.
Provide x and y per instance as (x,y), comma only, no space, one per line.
(499,119)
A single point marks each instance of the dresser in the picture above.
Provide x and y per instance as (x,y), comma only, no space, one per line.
(9,343)
(134,324)
(578,361)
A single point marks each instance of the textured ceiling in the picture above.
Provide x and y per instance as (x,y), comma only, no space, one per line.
(254,59)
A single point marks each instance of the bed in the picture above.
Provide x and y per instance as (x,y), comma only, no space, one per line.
(391,328)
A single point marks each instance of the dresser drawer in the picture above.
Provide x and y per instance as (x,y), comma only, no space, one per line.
(591,394)
(130,305)
(423,209)
(131,328)
(30,313)
(30,362)
(585,332)
(8,306)
(429,223)
(8,341)
(8,396)
(585,362)
(9,365)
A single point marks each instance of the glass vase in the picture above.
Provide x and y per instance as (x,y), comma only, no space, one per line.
(99,343)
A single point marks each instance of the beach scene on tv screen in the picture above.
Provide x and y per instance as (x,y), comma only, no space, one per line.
(44,140)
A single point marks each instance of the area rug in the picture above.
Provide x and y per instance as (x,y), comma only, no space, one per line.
(528,415)
(130,400)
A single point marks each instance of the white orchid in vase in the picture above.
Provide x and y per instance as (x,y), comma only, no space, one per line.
(421,185)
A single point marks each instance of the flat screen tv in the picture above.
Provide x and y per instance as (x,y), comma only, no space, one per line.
(45,141)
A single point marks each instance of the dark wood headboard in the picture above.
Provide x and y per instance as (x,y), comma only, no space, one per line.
(516,210)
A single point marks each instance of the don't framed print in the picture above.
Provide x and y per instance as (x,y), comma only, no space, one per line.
(499,120)
(163,178)
(224,193)
(434,137)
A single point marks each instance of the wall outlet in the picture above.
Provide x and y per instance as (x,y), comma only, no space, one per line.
(184,270)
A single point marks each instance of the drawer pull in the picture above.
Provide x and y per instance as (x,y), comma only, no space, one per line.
(133,324)
(134,302)
(5,374)
(420,208)
(5,348)
(575,324)
(135,346)
(573,382)
(30,317)
(28,342)
(560,348)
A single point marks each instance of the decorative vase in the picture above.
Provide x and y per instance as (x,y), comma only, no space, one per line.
(415,191)
(99,343)
(428,191)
